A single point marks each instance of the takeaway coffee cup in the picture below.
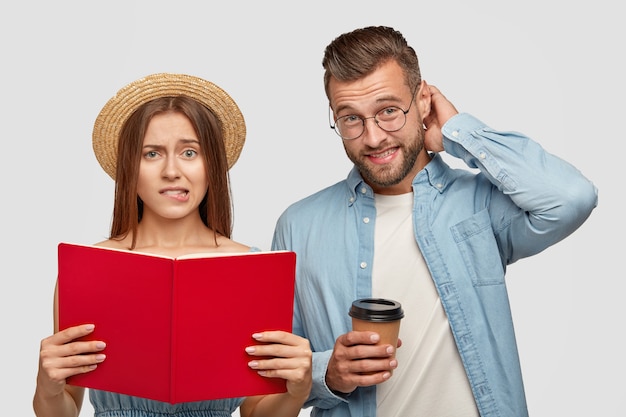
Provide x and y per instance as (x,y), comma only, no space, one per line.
(379,315)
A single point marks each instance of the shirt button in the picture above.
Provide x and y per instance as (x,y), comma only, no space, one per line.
(363,265)
(363,190)
(482,155)
(455,133)
(366,220)
(439,185)
(351,199)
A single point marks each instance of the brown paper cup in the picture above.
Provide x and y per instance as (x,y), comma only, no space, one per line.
(378,315)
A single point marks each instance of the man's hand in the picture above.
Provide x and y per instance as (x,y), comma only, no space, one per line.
(357,361)
(441,110)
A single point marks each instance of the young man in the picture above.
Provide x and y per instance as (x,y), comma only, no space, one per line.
(404,225)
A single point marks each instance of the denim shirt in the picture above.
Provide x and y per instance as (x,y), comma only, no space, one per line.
(468,225)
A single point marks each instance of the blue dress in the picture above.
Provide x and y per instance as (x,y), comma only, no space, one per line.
(110,404)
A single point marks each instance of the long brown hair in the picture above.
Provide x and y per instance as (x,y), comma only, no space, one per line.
(216,207)
(356,54)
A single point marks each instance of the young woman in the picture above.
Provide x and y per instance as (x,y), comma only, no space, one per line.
(168,141)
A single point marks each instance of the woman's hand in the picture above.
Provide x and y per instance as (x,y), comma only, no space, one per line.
(291,360)
(61,356)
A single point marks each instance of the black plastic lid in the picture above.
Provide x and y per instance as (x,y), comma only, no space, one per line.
(376,309)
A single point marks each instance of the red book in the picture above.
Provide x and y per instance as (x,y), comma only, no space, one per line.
(176,329)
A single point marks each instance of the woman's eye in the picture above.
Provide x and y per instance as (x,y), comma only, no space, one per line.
(190,153)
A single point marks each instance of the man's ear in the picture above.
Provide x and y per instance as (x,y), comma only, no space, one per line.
(423,99)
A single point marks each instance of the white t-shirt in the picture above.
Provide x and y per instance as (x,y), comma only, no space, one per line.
(430,379)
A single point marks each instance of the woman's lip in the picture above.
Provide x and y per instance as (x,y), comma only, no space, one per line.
(173,190)
(177,194)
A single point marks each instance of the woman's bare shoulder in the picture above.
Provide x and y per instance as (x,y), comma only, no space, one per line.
(113,244)
(229,245)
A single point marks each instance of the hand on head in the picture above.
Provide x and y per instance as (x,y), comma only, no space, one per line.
(439,112)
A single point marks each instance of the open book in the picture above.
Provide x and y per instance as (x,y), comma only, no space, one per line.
(176,329)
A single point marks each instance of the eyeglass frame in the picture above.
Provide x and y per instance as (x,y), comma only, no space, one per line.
(363,119)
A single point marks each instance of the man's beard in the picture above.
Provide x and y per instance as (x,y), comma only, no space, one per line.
(387,175)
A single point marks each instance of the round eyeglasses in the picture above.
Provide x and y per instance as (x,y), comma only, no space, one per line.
(352,126)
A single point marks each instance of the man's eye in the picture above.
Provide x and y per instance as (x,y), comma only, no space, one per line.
(350,119)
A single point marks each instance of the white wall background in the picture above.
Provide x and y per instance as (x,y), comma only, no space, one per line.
(551,69)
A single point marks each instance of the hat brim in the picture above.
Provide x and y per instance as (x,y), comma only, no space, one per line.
(117,110)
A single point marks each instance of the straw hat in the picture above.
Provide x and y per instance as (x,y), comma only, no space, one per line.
(117,110)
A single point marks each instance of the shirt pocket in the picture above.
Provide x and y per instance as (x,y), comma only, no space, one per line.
(477,244)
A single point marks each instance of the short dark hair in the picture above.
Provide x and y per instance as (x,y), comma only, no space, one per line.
(356,54)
